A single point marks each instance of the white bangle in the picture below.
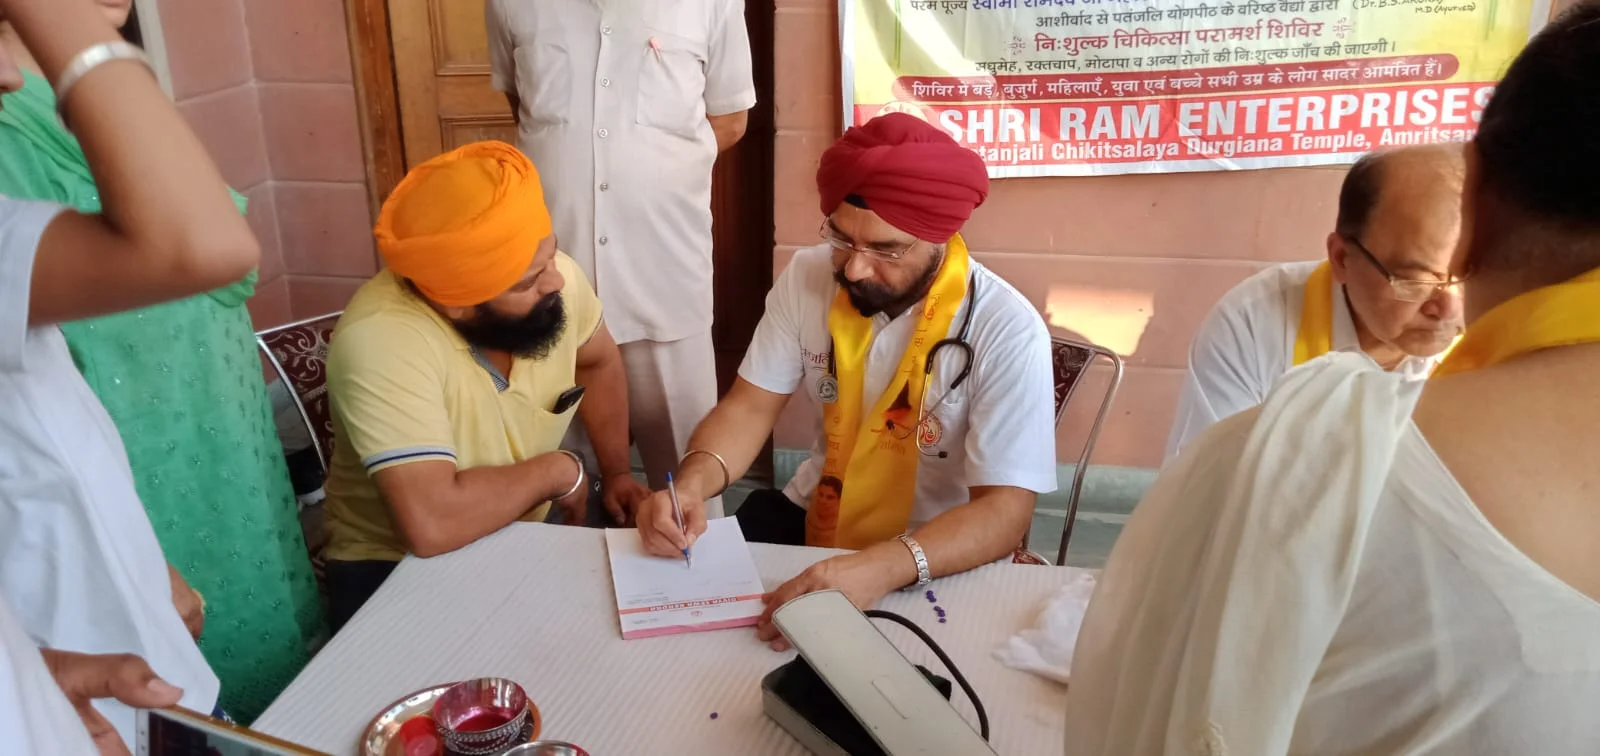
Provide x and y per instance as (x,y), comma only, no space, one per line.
(924,577)
(581,475)
(88,60)
(726,479)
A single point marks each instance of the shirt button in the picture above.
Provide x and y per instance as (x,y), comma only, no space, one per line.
(605,82)
(605,187)
(605,30)
(604,133)
(602,241)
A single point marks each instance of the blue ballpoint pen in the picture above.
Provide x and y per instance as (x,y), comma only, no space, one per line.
(677,511)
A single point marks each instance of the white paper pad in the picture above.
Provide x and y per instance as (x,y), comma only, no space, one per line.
(660,596)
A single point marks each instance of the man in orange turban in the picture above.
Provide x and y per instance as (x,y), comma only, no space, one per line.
(455,374)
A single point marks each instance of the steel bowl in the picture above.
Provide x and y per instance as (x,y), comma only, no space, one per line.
(467,703)
(546,748)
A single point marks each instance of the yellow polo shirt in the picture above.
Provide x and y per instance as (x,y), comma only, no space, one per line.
(406,387)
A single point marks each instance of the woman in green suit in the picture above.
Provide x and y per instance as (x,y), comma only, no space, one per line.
(183,384)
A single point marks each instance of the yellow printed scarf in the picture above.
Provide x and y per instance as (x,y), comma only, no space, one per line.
(1315,337)
(1552,316)
(878,466)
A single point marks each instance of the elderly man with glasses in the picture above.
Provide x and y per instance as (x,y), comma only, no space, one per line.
(929,379)
(1382,290)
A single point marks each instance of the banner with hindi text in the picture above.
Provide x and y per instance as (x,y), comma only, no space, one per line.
(1094,87)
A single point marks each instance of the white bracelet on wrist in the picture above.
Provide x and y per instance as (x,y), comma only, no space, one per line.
(581,475)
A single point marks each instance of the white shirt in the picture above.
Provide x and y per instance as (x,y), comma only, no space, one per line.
(78,558)
(1247,342)
(999,425)
(614,99)
(1308,578)
(35,717)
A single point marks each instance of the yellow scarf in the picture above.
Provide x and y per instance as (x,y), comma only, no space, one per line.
(1552,316)
(879,465)
(1315,337)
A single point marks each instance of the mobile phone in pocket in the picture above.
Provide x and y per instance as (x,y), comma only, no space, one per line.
(567,399)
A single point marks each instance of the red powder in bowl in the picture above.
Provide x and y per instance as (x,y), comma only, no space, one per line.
(483,720)
(419,736)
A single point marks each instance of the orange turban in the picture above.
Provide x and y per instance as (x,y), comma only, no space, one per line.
(465,225)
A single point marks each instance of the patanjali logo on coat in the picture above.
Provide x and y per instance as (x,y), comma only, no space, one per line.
(827,390)
(930,432)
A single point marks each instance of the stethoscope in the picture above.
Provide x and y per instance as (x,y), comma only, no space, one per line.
(828,388)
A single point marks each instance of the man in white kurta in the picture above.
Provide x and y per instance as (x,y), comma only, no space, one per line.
(79,560)
(1368,563)
(1398,223)
(624,108)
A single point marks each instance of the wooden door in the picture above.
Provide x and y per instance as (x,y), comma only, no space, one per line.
(440,71)
(441,66)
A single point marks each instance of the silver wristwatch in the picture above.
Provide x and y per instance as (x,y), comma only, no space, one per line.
(923,576)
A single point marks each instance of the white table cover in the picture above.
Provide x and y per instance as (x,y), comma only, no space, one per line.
(534,603)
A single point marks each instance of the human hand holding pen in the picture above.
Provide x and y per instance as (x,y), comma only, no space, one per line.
(677,513)
(658,524)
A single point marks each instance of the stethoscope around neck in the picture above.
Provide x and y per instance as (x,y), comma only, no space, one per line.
(959,342)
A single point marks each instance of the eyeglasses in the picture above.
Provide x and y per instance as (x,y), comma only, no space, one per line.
(1405,289)
(885,253)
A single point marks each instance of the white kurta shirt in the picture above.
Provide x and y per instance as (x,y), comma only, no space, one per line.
(1309,578)
(614,98)
(1247,342)
(998,425)
(35,717)
(78,558)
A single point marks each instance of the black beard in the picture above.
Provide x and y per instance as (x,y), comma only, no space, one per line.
(532,335)
(870,298)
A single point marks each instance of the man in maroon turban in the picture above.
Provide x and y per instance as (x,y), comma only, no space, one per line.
(929,379)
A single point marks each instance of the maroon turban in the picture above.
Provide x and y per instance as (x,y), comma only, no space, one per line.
(909,172)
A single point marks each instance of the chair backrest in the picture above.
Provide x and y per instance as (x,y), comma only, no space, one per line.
(1071,361)
(298,353)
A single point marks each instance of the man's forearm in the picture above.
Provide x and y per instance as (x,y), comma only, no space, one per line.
(976,533)
(483,500)
(732,432)
(729,129)
(605,413)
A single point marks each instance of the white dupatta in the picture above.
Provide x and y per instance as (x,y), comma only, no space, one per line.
(1234,572)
